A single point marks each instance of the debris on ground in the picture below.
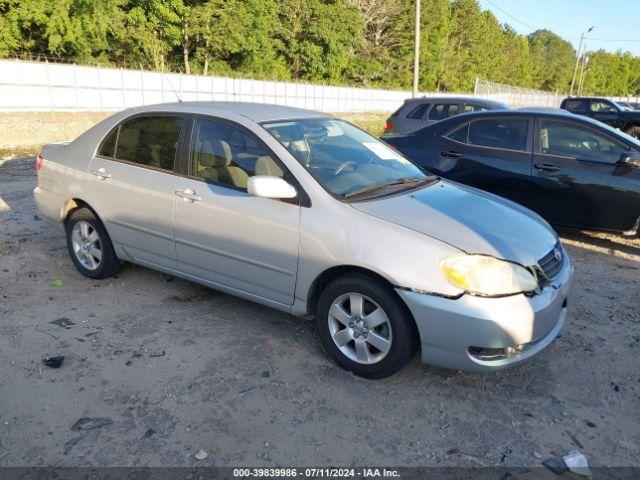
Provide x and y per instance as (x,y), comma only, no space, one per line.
(577,463)
(70,444)
(57,283)
(149,432)
(156,353)
(574,439)
(556,465)
(53,362)
(62,322)
(201,455)
(87,423)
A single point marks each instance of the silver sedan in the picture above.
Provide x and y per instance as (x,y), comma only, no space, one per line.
(307,214)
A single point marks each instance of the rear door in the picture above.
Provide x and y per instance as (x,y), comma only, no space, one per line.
(579,178)
(133,182)
(224,236)
(491,153)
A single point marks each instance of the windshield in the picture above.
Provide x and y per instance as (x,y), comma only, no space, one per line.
(345,160)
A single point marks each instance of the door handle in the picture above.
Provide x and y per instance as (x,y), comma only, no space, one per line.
(547,167)
(452,154)
(188,195)
(101,173)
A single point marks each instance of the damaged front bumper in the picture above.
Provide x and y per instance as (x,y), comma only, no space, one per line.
(482,334)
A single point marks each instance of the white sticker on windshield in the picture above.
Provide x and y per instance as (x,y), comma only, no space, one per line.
(383,152)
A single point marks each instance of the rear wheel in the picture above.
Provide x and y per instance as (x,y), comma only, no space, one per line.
(633,131)
(90,246)
(365,327)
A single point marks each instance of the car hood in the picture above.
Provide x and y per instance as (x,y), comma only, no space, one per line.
(469,219)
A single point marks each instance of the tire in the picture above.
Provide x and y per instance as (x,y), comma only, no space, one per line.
(89,245)
(633,131)
(388,320)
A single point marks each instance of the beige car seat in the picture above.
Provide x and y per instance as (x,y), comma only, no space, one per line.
(213,162)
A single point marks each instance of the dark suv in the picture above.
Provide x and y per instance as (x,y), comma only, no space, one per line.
(416,113)
(605,110)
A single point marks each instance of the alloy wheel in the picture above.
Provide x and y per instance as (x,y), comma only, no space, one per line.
(360,328)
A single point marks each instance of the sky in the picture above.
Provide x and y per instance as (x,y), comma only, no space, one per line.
(613,19)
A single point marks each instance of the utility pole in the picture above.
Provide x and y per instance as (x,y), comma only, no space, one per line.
(416,52)
(575,70)
(585,60)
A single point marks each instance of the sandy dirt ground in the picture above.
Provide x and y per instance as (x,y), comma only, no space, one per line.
(164,368)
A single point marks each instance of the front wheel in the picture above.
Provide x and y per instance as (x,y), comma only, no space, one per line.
(89,245)
(365,327)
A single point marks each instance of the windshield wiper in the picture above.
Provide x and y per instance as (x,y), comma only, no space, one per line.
(392,183)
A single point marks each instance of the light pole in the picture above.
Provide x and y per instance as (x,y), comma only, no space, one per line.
(585,60)
(416,52)
(575,70)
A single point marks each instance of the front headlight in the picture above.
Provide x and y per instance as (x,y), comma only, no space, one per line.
(487,276)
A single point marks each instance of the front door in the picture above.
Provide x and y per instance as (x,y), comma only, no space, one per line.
(605,112)
(579,178)
(225,236)
(133,182)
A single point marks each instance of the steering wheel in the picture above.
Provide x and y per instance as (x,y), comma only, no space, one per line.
(343,165)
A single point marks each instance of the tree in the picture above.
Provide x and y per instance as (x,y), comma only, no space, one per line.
(553,61)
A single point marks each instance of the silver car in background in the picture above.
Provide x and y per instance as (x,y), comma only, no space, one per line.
(307,214)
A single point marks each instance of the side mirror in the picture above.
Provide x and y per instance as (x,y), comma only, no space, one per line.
(267,186)
(629,160)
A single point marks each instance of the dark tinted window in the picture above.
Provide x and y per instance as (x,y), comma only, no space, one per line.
(418,112)
(579,106)
(474,108)
(443,110)
(570,140)
(222,153)
(108,146)
(460,135)
(150,141)
(510,133)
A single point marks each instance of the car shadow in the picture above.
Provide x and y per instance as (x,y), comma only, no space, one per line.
(603,242)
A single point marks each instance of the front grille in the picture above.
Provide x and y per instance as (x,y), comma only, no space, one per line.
(551,264)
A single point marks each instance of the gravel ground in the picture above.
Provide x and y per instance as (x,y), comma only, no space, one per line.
(170,368)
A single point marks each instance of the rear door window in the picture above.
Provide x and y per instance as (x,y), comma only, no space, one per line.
(151,141)
(576,106)
(507,133)
(474,108)
(443,110)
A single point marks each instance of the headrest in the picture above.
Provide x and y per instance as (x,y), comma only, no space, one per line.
(266,166)
(214,154)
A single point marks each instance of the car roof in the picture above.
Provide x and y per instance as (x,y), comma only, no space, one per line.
(258,112)
(450,122)
(589,98)
(459,99)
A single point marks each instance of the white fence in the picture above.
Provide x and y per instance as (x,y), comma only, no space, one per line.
(43,86)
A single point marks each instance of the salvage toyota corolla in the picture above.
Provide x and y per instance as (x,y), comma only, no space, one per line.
(306,213)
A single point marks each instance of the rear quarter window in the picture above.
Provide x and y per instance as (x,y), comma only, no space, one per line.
(577,106)
(418,112)
(108,146)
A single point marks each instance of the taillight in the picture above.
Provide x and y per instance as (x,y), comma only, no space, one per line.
(388,125)
(39,160)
